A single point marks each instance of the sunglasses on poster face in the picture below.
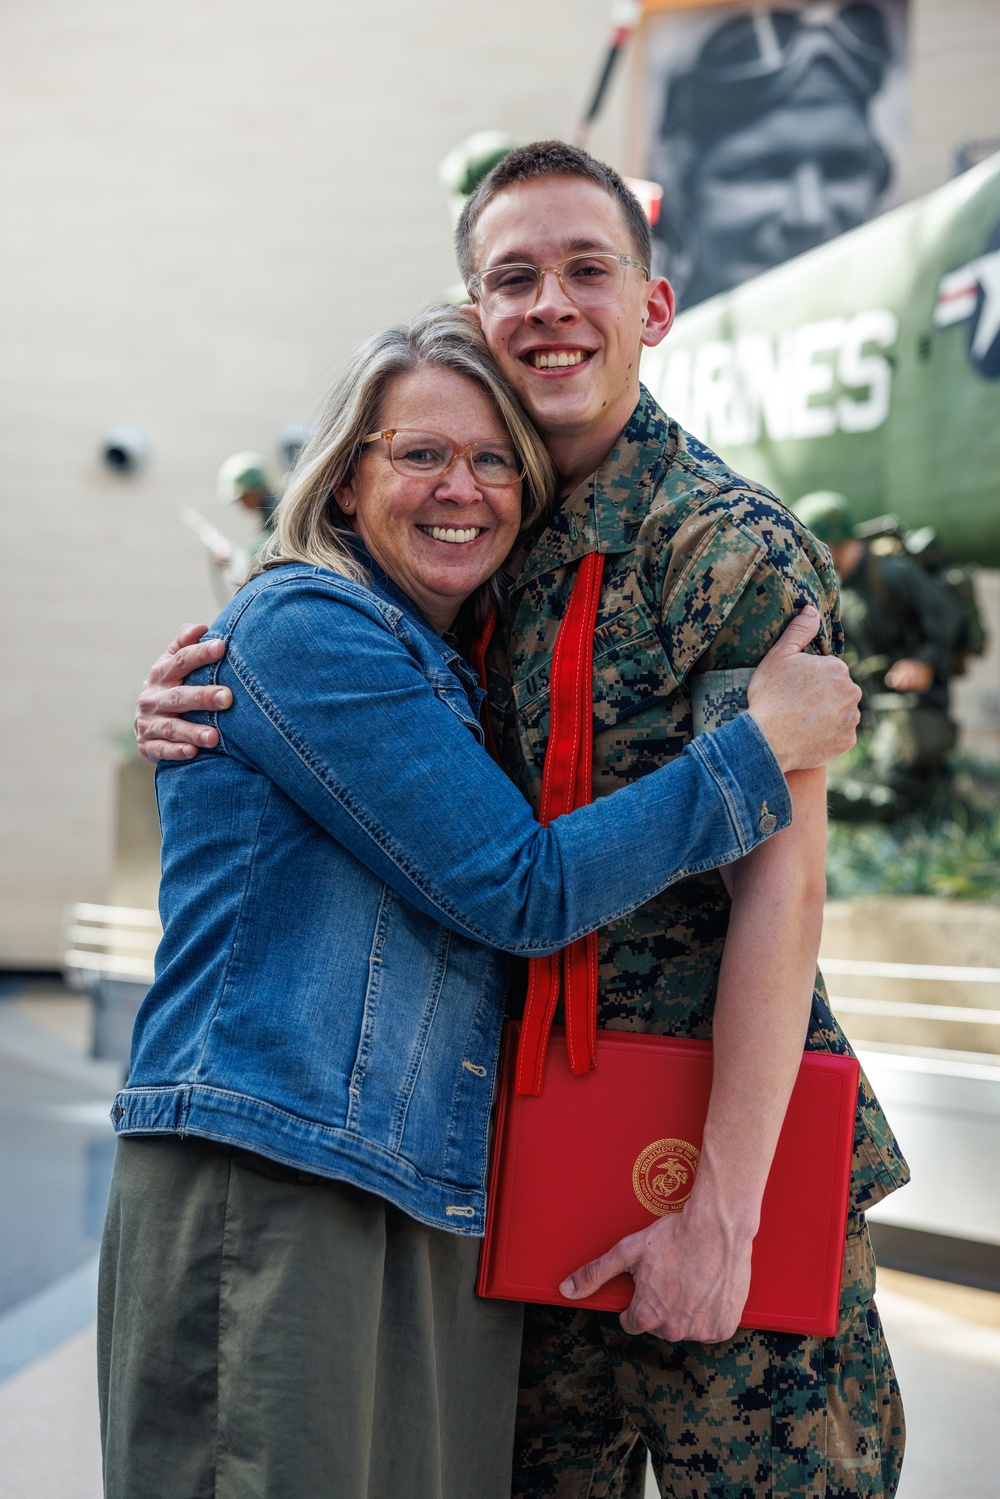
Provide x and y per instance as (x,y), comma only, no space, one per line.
(760,45)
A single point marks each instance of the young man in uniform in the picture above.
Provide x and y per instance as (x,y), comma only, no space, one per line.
(701,573)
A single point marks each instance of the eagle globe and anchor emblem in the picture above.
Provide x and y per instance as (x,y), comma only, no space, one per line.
(663,1175)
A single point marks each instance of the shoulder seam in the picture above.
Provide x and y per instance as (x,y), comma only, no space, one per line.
(340,588)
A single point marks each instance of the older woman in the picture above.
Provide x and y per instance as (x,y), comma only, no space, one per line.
(286,1286)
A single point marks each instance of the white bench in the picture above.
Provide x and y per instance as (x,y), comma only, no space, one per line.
(108,952)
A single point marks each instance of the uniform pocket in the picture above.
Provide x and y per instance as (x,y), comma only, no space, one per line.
(632,671)
(857,1281)
(864,1415)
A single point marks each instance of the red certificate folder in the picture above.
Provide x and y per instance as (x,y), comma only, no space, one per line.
(596,1157)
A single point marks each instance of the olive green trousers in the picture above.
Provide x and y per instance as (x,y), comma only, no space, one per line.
(267,1334)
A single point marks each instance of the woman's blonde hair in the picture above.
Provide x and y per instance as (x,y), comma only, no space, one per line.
(309,525)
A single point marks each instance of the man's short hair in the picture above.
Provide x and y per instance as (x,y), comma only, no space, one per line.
(551,159)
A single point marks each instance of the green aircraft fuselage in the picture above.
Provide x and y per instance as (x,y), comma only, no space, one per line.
(870,365)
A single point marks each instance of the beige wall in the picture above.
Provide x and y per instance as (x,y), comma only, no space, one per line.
(955,63)
(975,696)
(206,206)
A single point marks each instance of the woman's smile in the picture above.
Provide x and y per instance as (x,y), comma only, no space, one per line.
(453,535)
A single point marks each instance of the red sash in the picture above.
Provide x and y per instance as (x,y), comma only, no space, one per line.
(477,658)
(566,784)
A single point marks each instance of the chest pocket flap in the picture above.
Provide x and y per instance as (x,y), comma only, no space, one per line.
(632,671)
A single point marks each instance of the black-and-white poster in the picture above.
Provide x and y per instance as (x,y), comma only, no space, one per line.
(771,129)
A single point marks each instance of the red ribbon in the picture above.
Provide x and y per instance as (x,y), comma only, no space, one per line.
(477,658)
(567,784)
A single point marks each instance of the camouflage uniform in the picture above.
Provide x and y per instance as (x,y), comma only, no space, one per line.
(894,609)
(702,572)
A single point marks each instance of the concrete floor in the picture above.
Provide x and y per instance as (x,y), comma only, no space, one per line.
(948,1364)
(949,1372)
(945,1339)
(56,1147)
(49,1442)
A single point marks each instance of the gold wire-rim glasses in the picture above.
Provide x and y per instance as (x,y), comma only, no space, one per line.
(468,452)
(480,284)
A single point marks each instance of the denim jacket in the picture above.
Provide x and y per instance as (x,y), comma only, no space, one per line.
(343,876)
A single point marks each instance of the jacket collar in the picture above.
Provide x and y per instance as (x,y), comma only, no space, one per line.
(605,511)
(445,645)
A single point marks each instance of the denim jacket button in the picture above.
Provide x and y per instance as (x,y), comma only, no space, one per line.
(768,822)
(117,1113)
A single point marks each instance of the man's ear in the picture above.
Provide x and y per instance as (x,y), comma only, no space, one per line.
(659,312)
(471,310)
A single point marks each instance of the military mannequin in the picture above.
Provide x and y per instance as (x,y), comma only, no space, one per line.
(243,481)
(461,172)
(466,165)
(902,629)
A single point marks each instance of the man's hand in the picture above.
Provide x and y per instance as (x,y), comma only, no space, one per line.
(691,1273)
(692,1269)
(161,733)
(910,675)
(806,706)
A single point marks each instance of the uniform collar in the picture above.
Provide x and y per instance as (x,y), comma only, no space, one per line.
(604,513)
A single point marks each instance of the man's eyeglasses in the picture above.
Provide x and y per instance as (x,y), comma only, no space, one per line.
(592,280)
(425,455)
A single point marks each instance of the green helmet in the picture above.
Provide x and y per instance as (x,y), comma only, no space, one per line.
(466,164)
(827,515)
(241,474)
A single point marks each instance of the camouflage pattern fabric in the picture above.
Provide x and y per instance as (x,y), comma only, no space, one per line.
(717,697)
(762,1416)
(702,572)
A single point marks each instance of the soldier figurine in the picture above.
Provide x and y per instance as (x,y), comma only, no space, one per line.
(467,164)
(461,172)
(243,481)
(903,630)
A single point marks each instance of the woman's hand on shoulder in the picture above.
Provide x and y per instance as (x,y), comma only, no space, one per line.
(160,731)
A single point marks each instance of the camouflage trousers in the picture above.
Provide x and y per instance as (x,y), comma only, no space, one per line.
(762,1416)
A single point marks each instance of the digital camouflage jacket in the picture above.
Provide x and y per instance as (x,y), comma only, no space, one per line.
(702,572)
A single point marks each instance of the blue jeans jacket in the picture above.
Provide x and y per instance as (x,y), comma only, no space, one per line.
(343,875)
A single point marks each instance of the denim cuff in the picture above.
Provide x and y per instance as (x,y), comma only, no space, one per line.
(745,769)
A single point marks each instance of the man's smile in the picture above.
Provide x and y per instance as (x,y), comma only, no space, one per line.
(556,358)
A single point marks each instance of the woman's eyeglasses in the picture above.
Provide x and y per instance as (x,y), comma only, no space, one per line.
(425,455)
